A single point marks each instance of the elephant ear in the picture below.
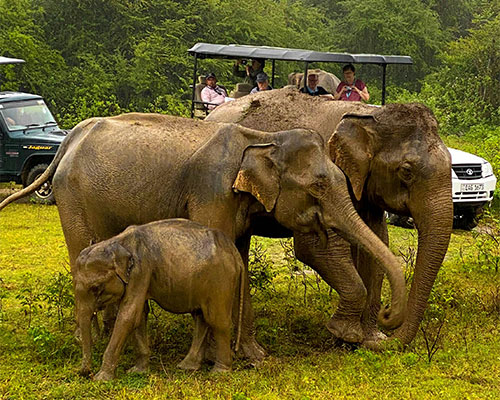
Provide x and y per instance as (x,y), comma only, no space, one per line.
(123,261)
(351,148)
(258,175)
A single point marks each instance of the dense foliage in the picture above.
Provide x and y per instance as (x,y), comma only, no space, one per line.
(103,57)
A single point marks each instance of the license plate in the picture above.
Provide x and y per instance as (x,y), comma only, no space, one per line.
(472,187)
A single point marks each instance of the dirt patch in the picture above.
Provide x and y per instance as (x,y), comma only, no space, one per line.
(6,192)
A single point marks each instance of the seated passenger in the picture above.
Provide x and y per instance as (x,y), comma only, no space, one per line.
(312,88)
(351,89)
(213,93)
(251,71)
(262,83)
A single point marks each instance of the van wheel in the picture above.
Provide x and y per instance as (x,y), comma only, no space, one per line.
(467,219)
(44,194)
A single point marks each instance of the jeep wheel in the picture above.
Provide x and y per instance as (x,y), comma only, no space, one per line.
(400,220)
(44,194)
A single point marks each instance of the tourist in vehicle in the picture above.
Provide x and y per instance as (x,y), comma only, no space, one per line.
(213,93)
(351,89)
(262,83)
(251,71)
(312,88)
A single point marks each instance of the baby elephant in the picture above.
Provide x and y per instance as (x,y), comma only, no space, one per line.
(183,266)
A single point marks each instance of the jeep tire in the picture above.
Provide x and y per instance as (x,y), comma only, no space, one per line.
(400,220)
(45,194)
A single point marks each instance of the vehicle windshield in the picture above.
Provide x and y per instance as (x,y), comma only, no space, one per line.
(26,114)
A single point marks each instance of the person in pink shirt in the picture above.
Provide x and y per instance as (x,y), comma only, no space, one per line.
(213,93)
(351,89)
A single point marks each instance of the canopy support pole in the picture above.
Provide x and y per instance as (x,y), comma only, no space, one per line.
(195,70)
(305,76)
(384,68)
(272,73)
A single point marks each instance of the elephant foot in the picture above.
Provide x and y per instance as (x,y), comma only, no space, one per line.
(189,364)
(253,351)
(218,367)
(348,330)
(85,371)
(141,365)
(138,369)
(373,340)
(381,342)
(104,376)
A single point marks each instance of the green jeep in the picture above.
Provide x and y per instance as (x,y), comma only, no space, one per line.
(29,139)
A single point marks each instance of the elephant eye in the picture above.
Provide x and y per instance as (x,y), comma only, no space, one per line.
(318,188)
(405,172)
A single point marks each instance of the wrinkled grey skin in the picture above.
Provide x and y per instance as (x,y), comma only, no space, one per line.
(136,168)
(394,160)
(180,264)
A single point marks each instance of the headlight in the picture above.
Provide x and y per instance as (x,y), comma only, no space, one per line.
(486,169)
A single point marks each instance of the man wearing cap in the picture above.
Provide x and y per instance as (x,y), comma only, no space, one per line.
(212,93)
(262,83)
(312,88)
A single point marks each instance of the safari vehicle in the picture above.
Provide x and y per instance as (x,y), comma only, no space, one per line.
(236,51)
(29,139)
(472,177)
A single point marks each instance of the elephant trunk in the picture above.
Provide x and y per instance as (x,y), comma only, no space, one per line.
(434,224)
(349,224)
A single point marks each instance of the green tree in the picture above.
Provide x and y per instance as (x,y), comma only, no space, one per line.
(392,27)
(465,90)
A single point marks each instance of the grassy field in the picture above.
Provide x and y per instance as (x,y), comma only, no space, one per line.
(455,356)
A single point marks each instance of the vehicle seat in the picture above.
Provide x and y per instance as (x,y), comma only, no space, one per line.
(200,110)
(241,89)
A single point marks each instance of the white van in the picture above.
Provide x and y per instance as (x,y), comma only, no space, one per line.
(473,187)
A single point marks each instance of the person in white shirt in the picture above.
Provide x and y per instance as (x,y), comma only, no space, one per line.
(213,93)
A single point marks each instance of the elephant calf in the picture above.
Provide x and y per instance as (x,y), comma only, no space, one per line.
(182,265)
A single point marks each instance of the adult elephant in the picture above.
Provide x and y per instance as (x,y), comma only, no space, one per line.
(395,161)
(136,168)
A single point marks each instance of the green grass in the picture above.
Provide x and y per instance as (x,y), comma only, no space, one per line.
(304,361)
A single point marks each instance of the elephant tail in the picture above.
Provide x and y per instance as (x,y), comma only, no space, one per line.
(49,172)
(242,299)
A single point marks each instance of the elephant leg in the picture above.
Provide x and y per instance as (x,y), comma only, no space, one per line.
(194,358)
(372,276)
(218,316)
(141,344)
(334,264)
(129,318)
(77,232)
(248,344)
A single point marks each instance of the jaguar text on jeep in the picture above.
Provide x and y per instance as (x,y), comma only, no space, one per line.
(29,139)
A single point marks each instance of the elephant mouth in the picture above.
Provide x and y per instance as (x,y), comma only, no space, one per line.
(312,220)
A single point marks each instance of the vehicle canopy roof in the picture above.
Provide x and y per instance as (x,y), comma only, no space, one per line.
(17,96)
(8,60)
(236,51)
(208,50)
